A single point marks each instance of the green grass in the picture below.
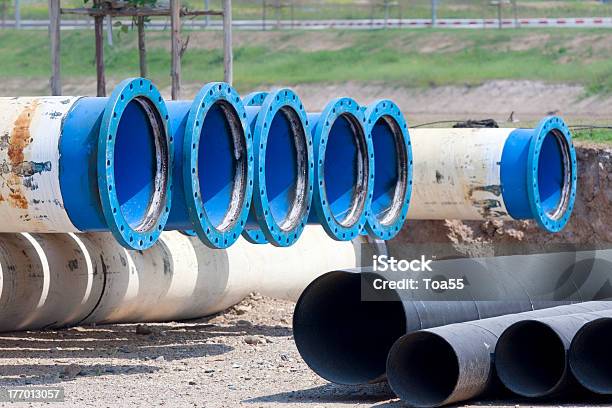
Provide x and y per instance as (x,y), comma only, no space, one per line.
(593,135)
(394,57)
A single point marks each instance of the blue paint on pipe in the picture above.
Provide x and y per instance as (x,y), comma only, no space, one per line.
(344,169)
(388,130)
(213,165)
(539,174)
(284,167)
(116,164)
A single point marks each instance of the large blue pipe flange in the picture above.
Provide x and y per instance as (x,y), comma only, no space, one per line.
(215,166)
(539,174)
(386,126)
(344,169)
(135,211)
(284,168)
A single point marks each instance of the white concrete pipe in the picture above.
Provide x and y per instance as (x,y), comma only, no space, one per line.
(46,280)
(474,174)
(56,280)
(180,278)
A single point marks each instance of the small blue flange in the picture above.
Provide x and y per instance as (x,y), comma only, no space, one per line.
(127,236)
(334,109)
(270,104)
(204,228)
(373,113)
(541,131)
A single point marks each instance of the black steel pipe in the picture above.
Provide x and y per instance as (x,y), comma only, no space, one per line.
(442,365)
(531,356)
(590,356)
(346,339)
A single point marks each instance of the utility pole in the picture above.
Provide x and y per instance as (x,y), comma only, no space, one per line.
(207,17)
(434,12)
(54,36)
(228,57)
(17,15)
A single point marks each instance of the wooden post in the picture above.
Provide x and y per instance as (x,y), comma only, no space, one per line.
(142,50)
(175,33)
(99,41)
(228,57)
(54,36)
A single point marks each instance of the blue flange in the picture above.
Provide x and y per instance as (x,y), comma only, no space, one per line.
(388,130)
(225,233)
(263,111)
(539,174)
(346,190)
(156,209)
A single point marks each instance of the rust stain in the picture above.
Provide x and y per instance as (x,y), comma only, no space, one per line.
(19,139)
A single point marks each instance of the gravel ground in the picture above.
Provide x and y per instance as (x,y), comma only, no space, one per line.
(243,357)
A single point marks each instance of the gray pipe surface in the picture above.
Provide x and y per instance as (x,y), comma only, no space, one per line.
(453,363)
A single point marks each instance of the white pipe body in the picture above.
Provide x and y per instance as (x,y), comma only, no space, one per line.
(56,280)
(30,195)
(456,173)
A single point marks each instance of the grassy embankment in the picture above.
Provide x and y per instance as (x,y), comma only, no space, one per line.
(414,58)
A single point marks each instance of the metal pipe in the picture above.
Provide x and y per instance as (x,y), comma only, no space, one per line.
(69,164)
(590,359)
(344,169)
(283,167)
(386,126)
(213,165)
(344,329)
(531,356)
(442,365)
(474,174)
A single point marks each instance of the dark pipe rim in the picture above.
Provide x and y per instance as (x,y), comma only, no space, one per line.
(392,223)
(555,221)
(575,355)
(355,221)
(270,231)
(225,234)
(508,378)
(144,235)
(395,363)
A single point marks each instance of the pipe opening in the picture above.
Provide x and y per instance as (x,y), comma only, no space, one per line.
(591,356)
(222,165)
(424,369)
(346,169)
(340,337)
(287,169)
(141,163)
(390,170)
(554,174)
(530,359)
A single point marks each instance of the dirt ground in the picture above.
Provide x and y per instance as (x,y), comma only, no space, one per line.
(529,100)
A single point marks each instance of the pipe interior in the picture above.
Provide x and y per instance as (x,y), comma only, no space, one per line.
(341,337)
(424,369)
(530,359)
(345,173)
(222,165)
(141,164)
(286,168)
(591,358)
(554,174)
(390,170)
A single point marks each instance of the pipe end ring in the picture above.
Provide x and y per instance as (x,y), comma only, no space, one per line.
(147,233)
(210,234)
